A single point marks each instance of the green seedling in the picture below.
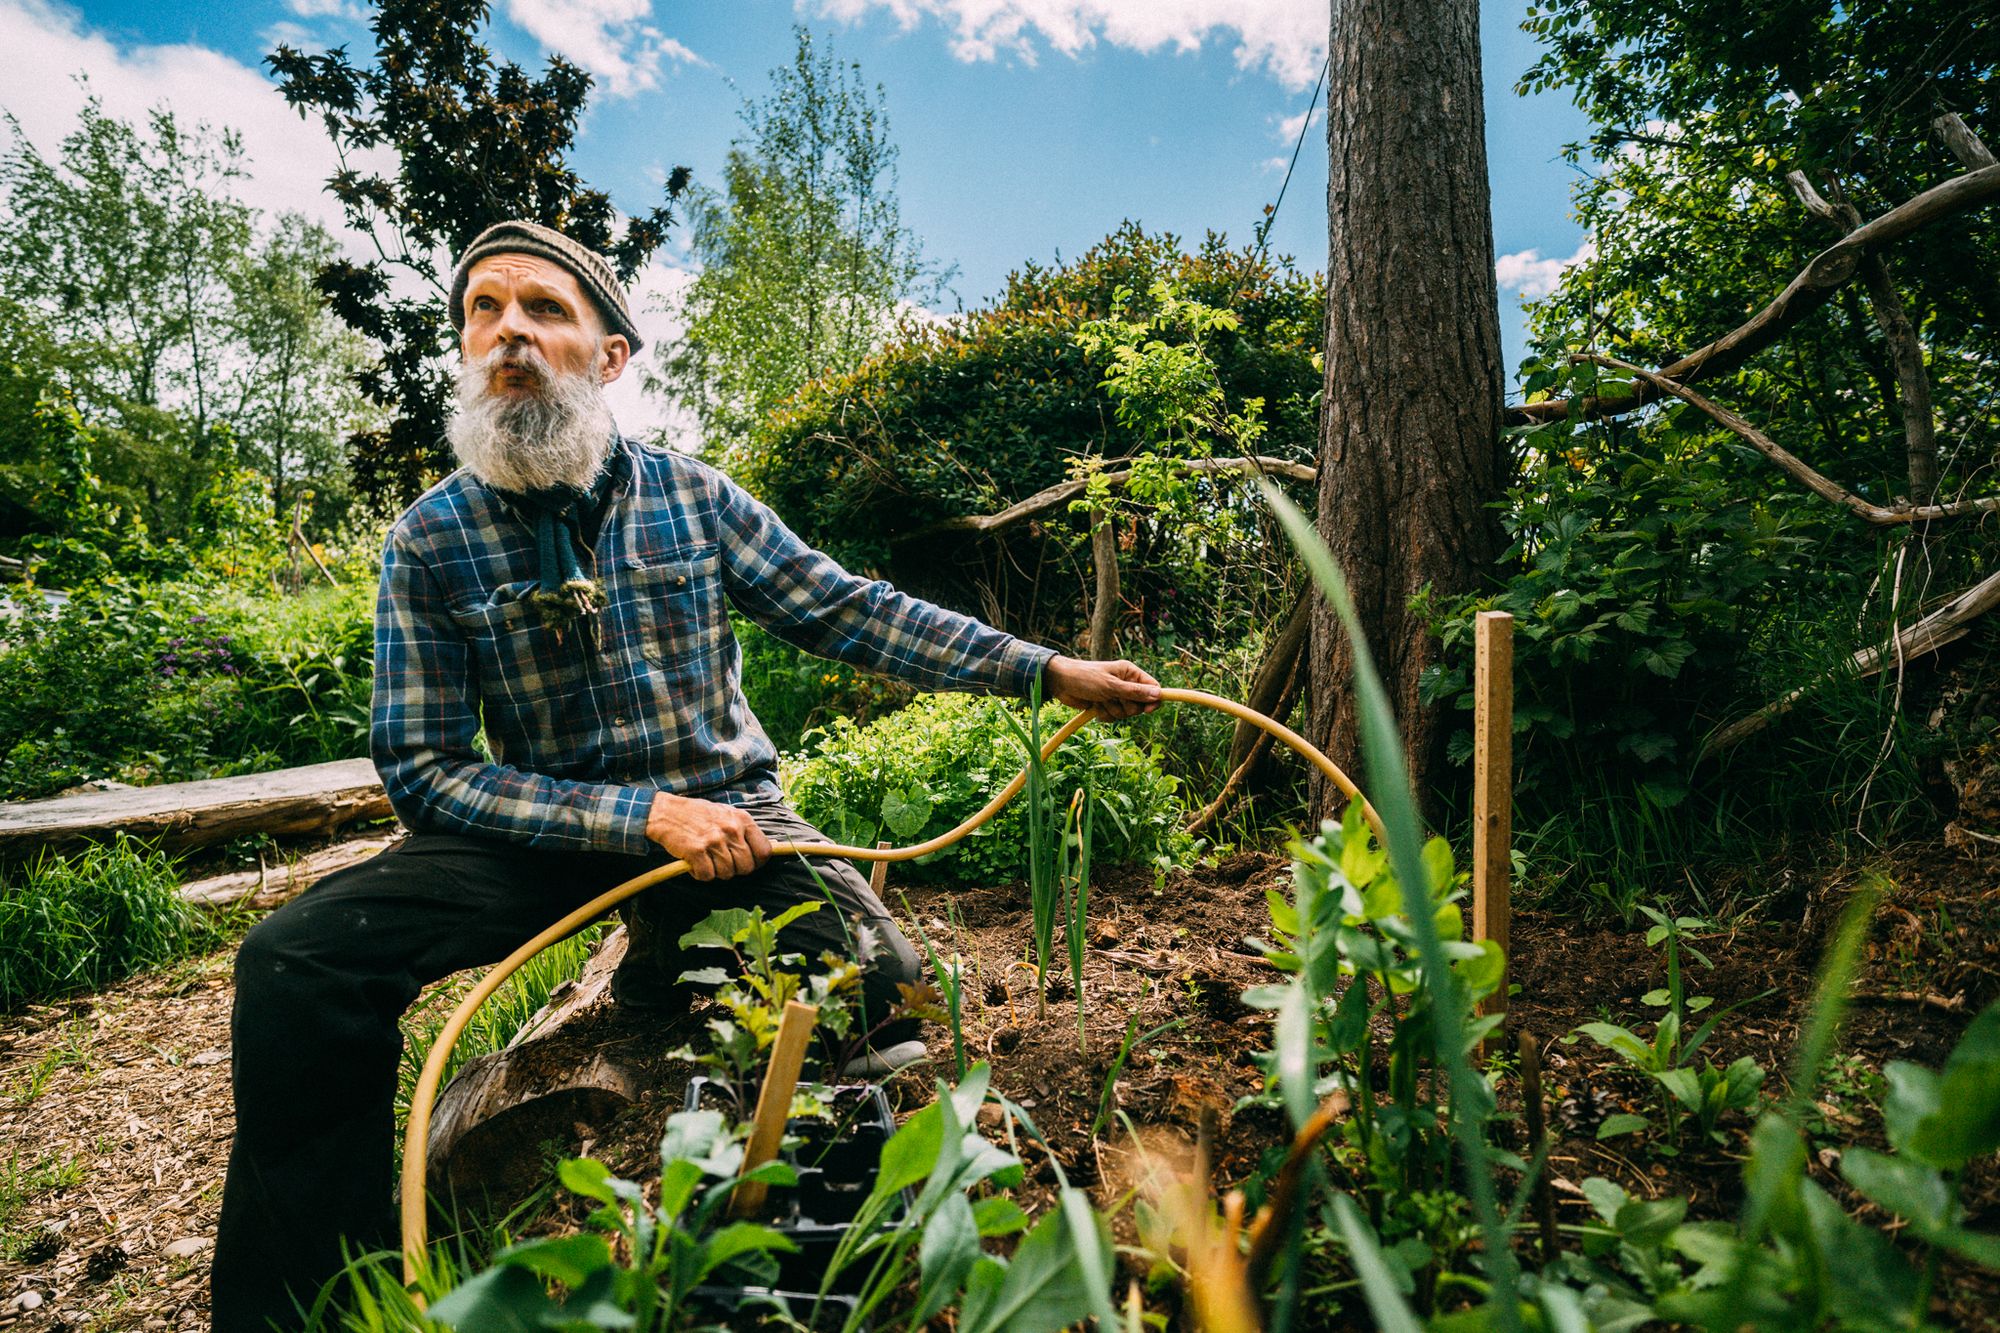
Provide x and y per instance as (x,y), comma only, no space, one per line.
(1704,1092)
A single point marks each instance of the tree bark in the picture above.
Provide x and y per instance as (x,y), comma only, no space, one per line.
(1105,602)
(1410,451)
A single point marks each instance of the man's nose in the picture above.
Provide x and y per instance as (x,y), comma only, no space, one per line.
(513,326)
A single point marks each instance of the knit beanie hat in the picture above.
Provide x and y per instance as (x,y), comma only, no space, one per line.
(591,270)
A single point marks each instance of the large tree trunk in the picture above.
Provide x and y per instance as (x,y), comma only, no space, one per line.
(1410,446)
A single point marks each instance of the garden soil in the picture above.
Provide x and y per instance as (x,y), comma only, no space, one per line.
(132,1085)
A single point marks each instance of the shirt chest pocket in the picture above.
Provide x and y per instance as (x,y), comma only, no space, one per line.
(679,613)
(524,669)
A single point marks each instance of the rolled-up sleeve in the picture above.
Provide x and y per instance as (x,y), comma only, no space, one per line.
(805,598)
(424,721)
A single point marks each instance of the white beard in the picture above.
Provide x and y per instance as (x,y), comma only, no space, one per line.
(558,435)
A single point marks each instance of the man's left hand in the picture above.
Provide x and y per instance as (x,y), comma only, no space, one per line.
(1117,690)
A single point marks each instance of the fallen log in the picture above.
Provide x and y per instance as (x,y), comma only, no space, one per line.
(568,1073)
(266,887)
(317,798)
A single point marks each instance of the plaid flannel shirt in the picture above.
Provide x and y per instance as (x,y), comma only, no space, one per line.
(583,733)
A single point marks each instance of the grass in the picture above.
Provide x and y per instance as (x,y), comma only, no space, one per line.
(77,923)
(21,1185)
(72,1050)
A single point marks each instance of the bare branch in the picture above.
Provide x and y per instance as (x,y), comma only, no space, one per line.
(1814,286)
(1794,466)
(1054,497)
(1948,623)
(1966,146)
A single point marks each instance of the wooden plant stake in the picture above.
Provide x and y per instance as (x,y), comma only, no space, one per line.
(1493,787)
(774,1102)
(878,876)
(1538,1138)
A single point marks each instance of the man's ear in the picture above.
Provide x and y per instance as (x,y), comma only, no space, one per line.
(616,351)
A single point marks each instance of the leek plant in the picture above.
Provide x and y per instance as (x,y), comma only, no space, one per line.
(1077,888)
(1043,849)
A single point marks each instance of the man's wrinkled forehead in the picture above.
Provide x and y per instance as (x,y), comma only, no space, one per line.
(531,275)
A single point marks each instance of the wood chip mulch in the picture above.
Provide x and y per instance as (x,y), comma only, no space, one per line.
(115,1116)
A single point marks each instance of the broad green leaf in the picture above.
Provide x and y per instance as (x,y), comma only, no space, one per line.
(804,908)
(1292,1035)
(1620,1041)
(1970,1092)
(741,1238)
(945,1256)
(1040,1291)
(500,1300)
(904,813)
(912,1151)
(1904,1187)
(1625,1122)
(1606,1197)
(1438,864)
(588,1177)
(1092,1244)
(998,1215)
(1913,1098)
(1683,1086)
(1647,1223)
(717,930)
(1867,1277)
(565,1259)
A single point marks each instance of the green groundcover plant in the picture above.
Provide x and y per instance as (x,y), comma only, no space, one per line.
(77,923)
(918,772)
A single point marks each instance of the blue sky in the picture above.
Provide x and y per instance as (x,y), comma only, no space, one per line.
(1028,129)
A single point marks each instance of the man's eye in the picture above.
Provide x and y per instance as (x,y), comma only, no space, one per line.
(552,308)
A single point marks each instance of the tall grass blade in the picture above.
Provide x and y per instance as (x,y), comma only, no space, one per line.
(1389,791)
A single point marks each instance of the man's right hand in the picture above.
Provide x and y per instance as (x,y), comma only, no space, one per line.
(717,841)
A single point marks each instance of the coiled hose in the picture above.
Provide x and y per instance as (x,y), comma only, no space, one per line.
(416,1140)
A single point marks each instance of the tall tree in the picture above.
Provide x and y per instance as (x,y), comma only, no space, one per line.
(291,385)
(122,248)
(476,142)
(805,259)
(1410,454)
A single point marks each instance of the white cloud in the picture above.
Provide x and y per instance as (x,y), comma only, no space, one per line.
(1529,275)
(1284,38)
(43,49)
(1290,127)
(328,9)
(654,300)
(608,38)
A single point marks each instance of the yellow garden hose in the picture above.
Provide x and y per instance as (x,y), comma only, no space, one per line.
(416,1140)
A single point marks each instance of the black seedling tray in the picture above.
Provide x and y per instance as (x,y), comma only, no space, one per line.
(736,1305)
(836,1161)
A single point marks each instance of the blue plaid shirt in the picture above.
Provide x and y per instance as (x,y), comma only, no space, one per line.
(583,734)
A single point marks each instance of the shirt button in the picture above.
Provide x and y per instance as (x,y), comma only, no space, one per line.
(618,721)
(682,580)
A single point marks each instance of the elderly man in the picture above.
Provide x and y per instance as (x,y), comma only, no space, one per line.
(568,590)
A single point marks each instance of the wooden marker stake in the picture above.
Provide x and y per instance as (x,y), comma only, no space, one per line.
(774,1102)
(878,877)
(1493,787)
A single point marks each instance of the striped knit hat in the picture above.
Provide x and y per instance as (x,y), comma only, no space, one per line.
(589,268)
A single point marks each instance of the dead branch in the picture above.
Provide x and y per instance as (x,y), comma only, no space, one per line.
(1054,497)
(1963,143)
(1948,623)
(1812,288)
(1899,335)
(1795,467)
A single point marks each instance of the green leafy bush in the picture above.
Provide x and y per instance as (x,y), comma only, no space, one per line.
(916,773)
(181,681)
(791,691)
(70,924)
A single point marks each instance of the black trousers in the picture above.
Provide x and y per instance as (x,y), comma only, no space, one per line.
(321,983)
